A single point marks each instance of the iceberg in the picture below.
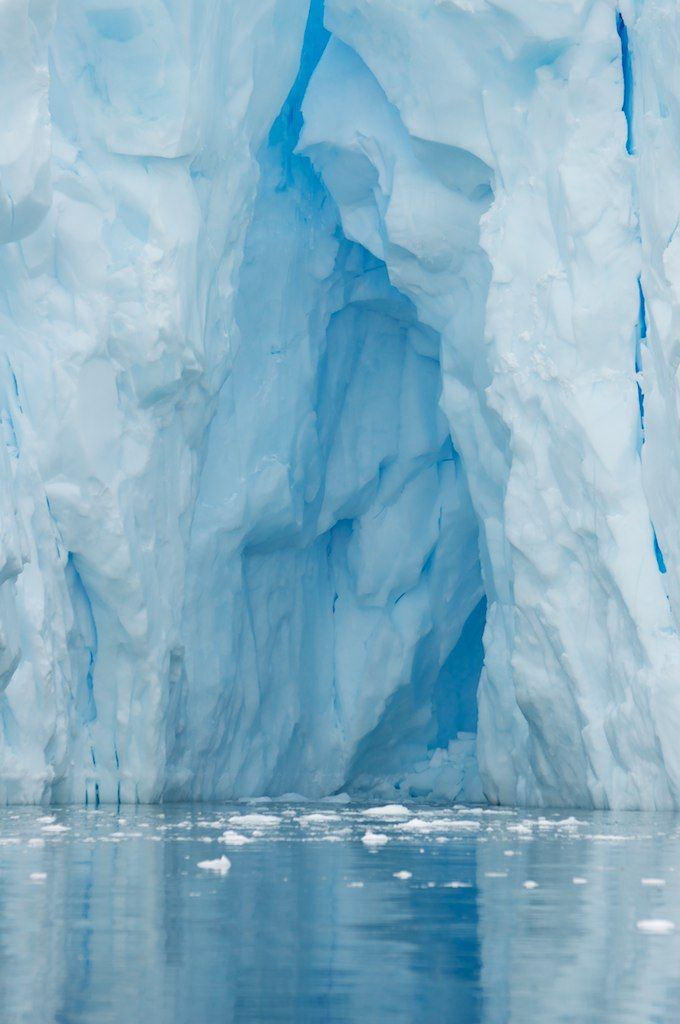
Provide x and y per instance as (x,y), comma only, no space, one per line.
(338,397)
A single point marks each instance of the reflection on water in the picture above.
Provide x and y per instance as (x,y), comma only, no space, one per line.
(107,918)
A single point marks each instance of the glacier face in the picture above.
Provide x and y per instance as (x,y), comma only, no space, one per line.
(334,339)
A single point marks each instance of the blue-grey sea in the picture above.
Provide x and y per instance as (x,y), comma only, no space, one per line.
(330,912)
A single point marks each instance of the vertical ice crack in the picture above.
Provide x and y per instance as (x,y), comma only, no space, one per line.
(641,329)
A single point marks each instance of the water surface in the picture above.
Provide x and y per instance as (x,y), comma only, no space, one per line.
(106,916)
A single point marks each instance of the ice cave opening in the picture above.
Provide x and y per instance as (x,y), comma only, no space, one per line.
(338,531)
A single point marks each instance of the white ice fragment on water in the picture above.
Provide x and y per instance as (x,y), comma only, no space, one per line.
(579,881)
(508,853)
(36,841)
(38,876)
(374,838)
(456,885)
(55,828)
(388,811)
(255,820)
(233,839)
(416,825)
(495,874)
(46,819)
(318,818)
(653,881)
(655,926)
(403,874)
(355,885)
(530,885)
(221,865)
(423,826)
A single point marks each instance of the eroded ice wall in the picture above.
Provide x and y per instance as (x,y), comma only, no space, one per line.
(323,352)
(537,300)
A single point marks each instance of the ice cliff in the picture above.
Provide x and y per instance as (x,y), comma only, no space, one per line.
(338,397)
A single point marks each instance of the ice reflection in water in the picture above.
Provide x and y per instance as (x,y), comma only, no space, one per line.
(107,918)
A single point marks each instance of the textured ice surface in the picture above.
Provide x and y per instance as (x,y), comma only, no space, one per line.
(327,350)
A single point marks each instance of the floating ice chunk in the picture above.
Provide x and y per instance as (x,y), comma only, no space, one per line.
(495,874)
(579,881)
(47,819)
(36,841)
(456,885)
(255,820)
(374,838)
(416,825)
(318,818)
(529,884)
(403,875)
(221,865)
(355,885)
(388,811)
(233,839)
(56,828)
(38,876)
(655,926)
(653,881)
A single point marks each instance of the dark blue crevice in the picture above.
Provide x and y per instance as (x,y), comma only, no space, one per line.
(660,561)
(627,68)
(82,642)
(286,129)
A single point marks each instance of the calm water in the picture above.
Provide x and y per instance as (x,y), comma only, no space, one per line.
(108,918)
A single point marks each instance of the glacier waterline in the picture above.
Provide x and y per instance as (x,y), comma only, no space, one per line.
(295,388)
(106,916)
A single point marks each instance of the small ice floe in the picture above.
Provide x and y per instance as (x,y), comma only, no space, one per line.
(456,885)
(530,885)
(38,876)
(255,820)
(233,839)
(388,811)
(218,823)
(221,865)
(47,819)
(521,829)
(655,926)
(374,838)
(508,853)
(495,874)
(403,875)
(416,825)
(653,881)
(579,881)
(355,885)
(318,818)
(36,841)
(54,829)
